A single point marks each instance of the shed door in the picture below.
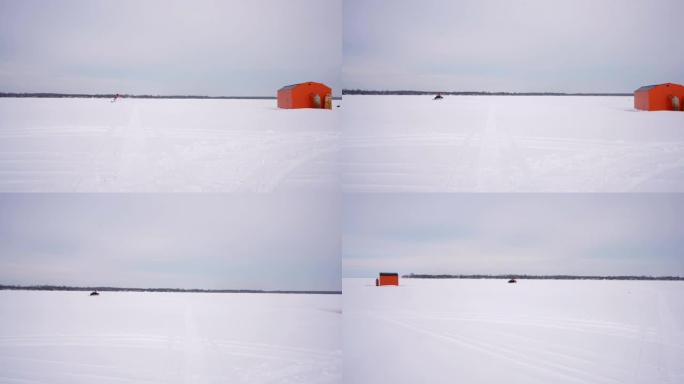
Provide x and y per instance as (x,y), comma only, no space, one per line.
(317,101)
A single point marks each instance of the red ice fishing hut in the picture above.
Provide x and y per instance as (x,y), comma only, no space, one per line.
(660,97)
(305,95)
(386,278)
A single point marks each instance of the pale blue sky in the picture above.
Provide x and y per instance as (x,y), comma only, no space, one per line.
(215,241)
(503,45)
(585,234)
(202,47)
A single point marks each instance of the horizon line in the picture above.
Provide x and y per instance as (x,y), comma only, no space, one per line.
(540,277)
(475,93)
(50,287)
(131,96)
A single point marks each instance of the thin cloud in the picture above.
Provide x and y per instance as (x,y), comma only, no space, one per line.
(499,45)
(168,46)
(229,241)
(513,233)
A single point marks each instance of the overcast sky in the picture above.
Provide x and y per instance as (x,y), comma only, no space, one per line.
(504,45)
(204,47)
(587,234)
(233,241)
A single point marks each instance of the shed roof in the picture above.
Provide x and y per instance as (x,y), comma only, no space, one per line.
(285,88)
(388,274)
(646,88)
(649,87)
(289,86)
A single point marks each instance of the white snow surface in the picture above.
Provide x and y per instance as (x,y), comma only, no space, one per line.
(125,337)
(536,331)
(509,144)
(143,145)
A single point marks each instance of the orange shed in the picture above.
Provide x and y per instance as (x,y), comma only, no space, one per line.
(660,97)
(387,279)
(305,95)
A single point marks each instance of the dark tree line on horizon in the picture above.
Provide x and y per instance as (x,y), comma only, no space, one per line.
(121,289)
(126,96)
(344,92)
(473,93)
(541,277)
(55,95)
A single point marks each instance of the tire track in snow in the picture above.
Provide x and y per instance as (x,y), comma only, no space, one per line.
(541,359)
(534,345)
(519,161)
(117,373)
(160,341)
(548,367)
(8,379)
(653,173)
(268,182)
(624,332)
(133,158)
(487,164)
(500,165)
(459,160)
(484,317)
(667,326)
(193,351)
(279,363)
(309,353)
(363,175)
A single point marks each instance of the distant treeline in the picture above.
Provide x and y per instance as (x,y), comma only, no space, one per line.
(541,277)
(180,290)
(111,96)
(478,93)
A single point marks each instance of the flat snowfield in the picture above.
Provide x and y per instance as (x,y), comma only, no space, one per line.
(489,331)
(509,144)
(121,337)
(142,145)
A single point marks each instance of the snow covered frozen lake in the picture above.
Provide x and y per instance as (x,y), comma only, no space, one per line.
(509,144)
(144,145)
(535,331)
(126,337)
